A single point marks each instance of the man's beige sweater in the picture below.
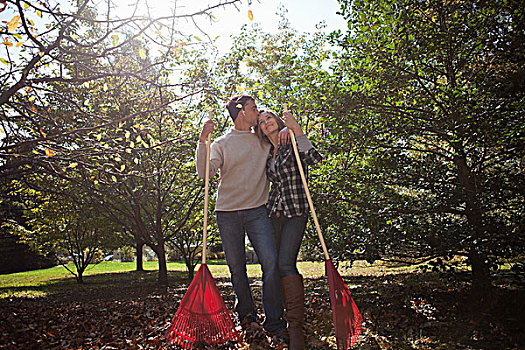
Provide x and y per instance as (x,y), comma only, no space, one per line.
(241,158)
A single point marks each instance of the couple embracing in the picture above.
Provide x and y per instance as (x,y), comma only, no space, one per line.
(250,156)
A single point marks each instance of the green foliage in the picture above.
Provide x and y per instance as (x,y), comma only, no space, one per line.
(69,228)
(127,254)
(430,106)
(113,120)
(285,67)
(418,113)
(417,110)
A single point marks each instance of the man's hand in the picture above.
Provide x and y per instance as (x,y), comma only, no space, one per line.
(207,128)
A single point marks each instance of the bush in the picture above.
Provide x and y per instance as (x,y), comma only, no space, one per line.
(173,254)
(97,256)
(127,254)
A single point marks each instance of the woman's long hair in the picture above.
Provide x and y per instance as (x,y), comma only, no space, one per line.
(258,131)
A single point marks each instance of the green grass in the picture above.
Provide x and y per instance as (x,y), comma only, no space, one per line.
(37,277)
(39,283)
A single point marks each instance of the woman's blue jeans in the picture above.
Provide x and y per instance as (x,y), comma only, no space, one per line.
(255,223)
(289,234)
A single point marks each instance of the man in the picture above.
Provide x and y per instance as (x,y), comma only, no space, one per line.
(240,208)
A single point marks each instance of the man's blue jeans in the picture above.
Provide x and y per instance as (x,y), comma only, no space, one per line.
(232,228)
(289,234)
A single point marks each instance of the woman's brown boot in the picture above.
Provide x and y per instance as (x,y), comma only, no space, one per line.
(293,289)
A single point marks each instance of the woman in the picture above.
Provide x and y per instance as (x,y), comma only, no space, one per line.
(288,209)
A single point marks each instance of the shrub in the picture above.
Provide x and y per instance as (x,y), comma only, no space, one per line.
(127,254)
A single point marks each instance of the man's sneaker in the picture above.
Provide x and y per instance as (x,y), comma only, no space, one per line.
(253,332)
(281,336)
(249,325)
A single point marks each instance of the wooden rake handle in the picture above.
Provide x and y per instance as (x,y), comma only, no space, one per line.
(206,197)
(308,196)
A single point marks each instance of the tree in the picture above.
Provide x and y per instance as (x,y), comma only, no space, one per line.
(56,117)
(68,229)
(16,256)
(433,94)
(422,150)
(48,45)
(285,67)
(292,68)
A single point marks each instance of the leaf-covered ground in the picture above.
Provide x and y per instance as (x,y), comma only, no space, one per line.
(401,311)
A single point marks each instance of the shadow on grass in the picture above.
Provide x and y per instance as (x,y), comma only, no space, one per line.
(104,286)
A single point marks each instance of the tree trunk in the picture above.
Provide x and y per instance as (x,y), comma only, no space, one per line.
(163,268)
(481,281)
(190,267)
(139,251)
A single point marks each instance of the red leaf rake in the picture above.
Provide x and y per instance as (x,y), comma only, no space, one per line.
(347,318)
(202,315)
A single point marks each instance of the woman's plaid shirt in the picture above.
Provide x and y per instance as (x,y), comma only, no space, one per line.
(286,184)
